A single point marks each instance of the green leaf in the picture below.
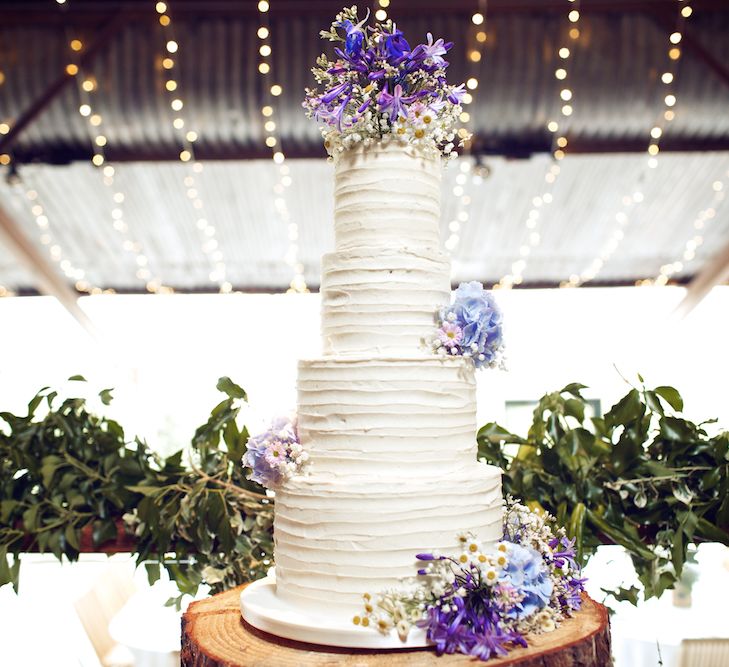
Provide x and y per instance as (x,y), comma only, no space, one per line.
(619,536)
(77,378)
(153,571)
(671,396)
(624,594)
(145,490)
(105,396)
(72,537)
(227,386)
(711,533)
(627,409)
(576,526)
(574,407)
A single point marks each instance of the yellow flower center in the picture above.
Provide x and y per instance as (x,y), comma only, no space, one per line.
(401,130)
(382,625)
(482,559)
(419,134)
(491,575)
(473,547)
(427,119)
(365,621)
(356,620)
(463,558)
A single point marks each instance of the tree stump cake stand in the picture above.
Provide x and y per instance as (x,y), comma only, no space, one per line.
(215,635)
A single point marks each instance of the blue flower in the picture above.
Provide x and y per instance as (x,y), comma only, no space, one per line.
(354,35)
(475,311)
(275,454)
(396,44)
(527,572)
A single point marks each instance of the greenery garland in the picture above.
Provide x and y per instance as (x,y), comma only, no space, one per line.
(640,476)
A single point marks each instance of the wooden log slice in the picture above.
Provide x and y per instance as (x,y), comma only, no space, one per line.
(215,635)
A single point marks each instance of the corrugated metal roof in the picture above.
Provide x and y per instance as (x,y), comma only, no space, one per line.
(239,204)
(614,74)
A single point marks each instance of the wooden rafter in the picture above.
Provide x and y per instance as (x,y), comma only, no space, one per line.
(46,275)
(713,273)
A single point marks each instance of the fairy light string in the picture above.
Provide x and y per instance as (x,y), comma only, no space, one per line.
(271,92)
(187,136)
(630,200)
(467,172)
(532,236)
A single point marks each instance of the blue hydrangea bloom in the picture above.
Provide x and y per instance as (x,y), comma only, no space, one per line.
(475,311)
(527,572)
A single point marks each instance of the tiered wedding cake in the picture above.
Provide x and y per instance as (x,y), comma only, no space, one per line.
(389,425)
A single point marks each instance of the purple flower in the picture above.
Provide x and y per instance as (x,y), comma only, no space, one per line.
(395,44)
(394,104)
(431,52)
(354,35)
(456,94)
(333,93)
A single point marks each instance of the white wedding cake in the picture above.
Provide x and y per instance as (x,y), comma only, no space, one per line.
(389,425)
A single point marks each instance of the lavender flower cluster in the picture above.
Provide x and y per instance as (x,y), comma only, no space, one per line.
(380,88)
(276,454)
(471,327)
(482,603)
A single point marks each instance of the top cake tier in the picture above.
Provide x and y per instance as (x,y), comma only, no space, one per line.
(383,284)
(386,195)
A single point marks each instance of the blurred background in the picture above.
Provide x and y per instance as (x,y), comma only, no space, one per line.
(164,204)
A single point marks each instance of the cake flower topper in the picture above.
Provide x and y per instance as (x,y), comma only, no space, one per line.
(483,602)
(380,88)
(275,455)
(471,326)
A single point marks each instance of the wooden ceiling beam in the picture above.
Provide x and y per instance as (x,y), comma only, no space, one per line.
(47,277)
(714,272)
(43,101)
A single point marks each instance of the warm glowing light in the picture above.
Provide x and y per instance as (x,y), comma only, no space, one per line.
(176,104)
(185,156)
(172,46)
(168,63)
(674,53)
(270,142)
(552,126)
(88,85)
(686,12)
(561,73)
(164,20)
(477,18)
(2,77)
(567,110)
(562,142)
(276,90)
(161,7)
(565,94)
(263,6)
(574,33)
(656,132)
(464,116)
(380,14)
(76,45)
(670,100)
(475,56)
(481,36)
(267,111)
(95,119)
(667,77)
(384,3)
(574,16)
(84,110)
(564,53)
(4,128)
(264,68)
(100,140)
(675,38)
(191,136)
(669,115)
(265,50)
(269,125)
(178,123)
(71,69)
(98,159)
(472,83)
(653,149)
(467,98)
(278,157)
(262,32)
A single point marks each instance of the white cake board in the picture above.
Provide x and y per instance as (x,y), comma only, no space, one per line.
(263,609)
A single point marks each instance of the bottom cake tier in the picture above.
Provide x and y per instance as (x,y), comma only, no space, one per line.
(335,541)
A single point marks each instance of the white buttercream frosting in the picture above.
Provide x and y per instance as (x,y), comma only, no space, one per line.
(389,428)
